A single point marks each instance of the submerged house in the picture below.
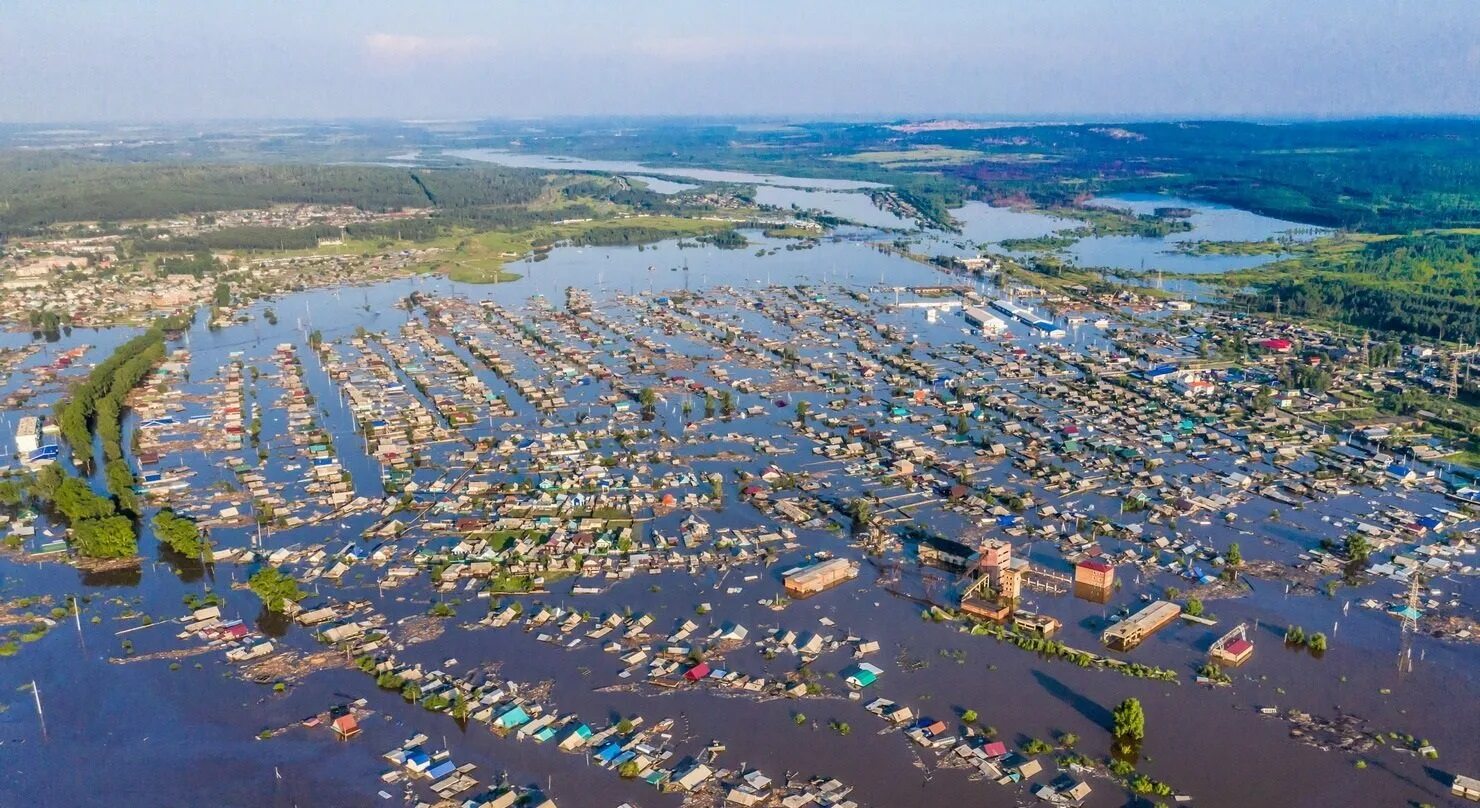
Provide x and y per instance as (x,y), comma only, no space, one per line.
(861,675)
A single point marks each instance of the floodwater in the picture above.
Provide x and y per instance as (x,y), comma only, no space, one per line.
(147,735)
(1210,222)
(563,163)
(659,185)
(983,224)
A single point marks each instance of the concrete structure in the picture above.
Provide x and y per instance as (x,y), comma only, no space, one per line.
(1094,573)
(28,435)
(988,322)
(818,577)
(1133,630)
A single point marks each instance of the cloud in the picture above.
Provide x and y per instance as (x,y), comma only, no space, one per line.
(405,49)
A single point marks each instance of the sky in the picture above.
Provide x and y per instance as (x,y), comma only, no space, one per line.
(188,60)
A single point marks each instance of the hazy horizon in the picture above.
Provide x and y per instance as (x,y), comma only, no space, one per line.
(1074,60)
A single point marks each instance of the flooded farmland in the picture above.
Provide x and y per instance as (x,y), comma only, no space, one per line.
(548,531)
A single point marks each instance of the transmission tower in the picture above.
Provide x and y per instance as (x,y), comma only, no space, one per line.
(1410,616)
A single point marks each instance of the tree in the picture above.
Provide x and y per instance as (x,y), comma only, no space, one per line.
(803,408)
(275,588)
(1194,607)
(11,493)
(861,509)
(648,398)
(1130,721)
(969,716)
(1356,548)
(120,479)
(77,501)
(1317,642)
(178,533)
(1234,557)
(106,537)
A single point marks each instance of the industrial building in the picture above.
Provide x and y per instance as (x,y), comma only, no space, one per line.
(1133,630)
(818,577)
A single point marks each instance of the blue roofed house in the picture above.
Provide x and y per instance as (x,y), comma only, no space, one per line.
(511,718)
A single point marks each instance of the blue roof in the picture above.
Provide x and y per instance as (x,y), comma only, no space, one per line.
(442,769)
(609,752)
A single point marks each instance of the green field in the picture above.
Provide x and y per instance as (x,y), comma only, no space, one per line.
(924,155)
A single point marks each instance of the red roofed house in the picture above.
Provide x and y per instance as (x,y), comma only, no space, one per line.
(346,727)
(1276,345)
(697,672)
(1234,652)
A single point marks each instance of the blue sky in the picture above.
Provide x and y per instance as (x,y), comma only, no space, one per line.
(148,60)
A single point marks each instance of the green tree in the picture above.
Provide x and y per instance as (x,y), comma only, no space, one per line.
(1356,548)
(106,537)
(275,588)
(1130,721)
(861,509)
(77,501)
(178,533)
(11,493)
(803,409)
(1194,607)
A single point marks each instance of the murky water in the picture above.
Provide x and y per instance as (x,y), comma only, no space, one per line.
(525,160)
(146,735)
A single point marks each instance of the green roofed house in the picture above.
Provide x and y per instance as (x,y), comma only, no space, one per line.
(861,675)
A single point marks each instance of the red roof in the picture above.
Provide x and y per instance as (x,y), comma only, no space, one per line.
(1276,344)
(697,672)
(1238,647)
(995,749)
(1096,565)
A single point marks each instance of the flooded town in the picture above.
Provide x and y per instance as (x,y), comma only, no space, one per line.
(856,515)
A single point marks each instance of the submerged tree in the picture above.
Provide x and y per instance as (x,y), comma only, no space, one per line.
(275,588)
(1130,721)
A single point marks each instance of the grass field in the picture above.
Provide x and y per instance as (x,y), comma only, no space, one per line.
(925,155)
(479,256)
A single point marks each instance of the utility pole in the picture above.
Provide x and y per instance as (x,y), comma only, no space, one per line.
(40,716)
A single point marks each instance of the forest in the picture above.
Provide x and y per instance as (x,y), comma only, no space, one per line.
(1426,285)
(40,190)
